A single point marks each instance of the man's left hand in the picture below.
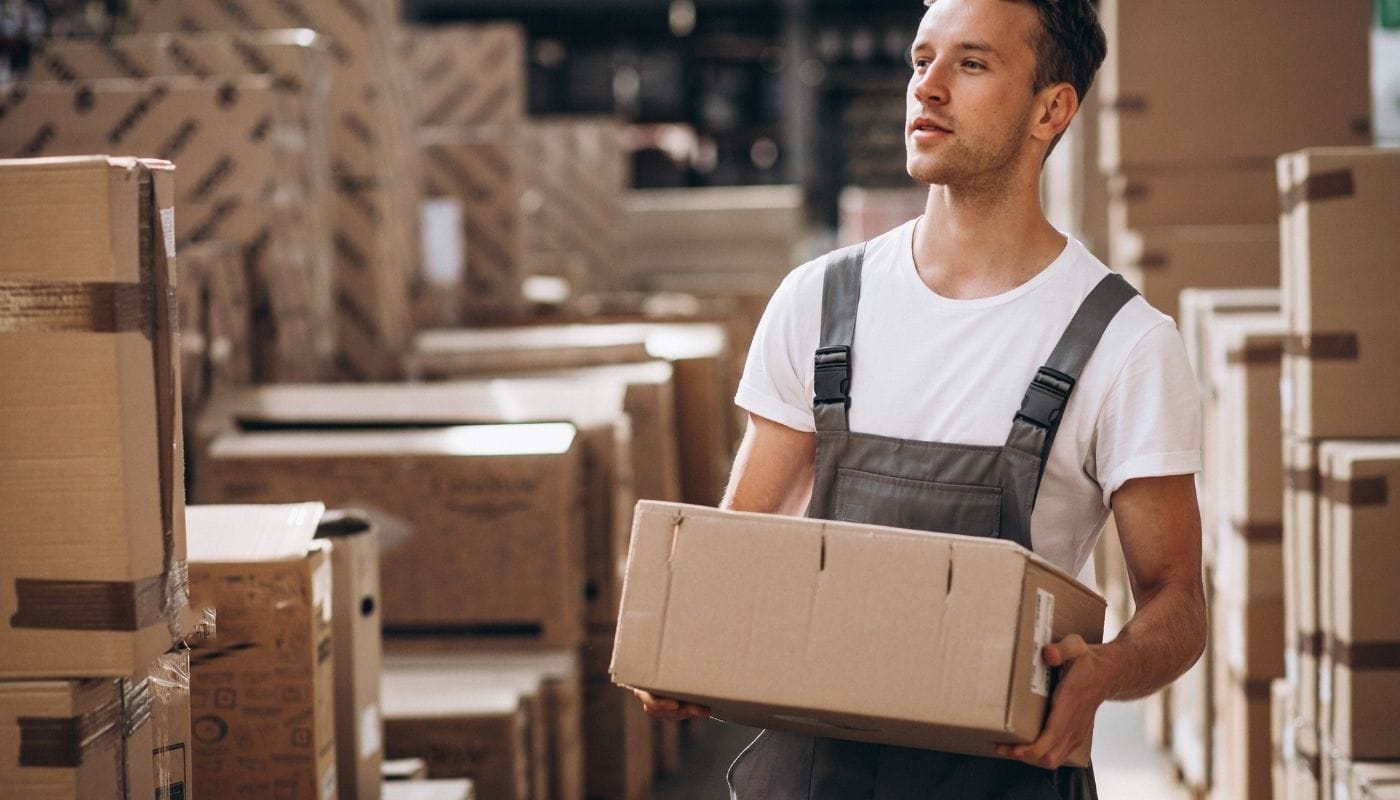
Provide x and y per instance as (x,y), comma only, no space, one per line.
(1086,677)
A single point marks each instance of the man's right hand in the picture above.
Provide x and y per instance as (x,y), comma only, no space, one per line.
(669,708)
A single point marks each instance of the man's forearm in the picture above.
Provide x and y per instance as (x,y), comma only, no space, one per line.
(1162,640)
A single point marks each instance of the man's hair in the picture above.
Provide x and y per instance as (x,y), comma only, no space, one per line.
(1070,45)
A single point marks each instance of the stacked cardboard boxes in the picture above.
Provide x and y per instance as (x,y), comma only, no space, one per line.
(1338,238)
(94,566)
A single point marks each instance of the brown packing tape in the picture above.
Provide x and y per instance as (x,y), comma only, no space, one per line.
(96,307)
(1259,531)
(1338,346)
(1364,656)
(1333,185)
(63,741)
(1310,644)
(1359,491)
(88,605)
(1153,260)
(1129,104)
(1258,354)
(1303,480)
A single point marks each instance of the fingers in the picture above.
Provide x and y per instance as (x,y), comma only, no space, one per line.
(1065,650)
(669,708)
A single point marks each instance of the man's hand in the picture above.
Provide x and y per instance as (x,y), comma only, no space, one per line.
(668,707)
(1086,679)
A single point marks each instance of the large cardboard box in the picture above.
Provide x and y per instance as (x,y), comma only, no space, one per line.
(826,656)
(1243,765)
(1161,262)
(596,408)
(92,582)
(355,601)
(1339,242)
(459,789)
(1187,194)
(465,74)
(456,353)
(263,688)
(733,233)
(1360,678)
(288,245)
(481,526)
(553,678)
(1179,77)
(461,728)
(619,738)
(124,739)
(373,164)
(1372,781)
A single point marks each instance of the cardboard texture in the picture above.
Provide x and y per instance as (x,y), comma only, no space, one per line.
(1186,194)
(731,233)
(577,173)
(93,581)
(291,252)
(619,738)
(355,601)
(554,678)
(461,728)
(124,738)
(465,74)
(826,657)
(1161,262)
(1359,683)
(1246,56)
(263,688)
(461,789)
(1338,257)
(480,526)
(482,168)
(373,164)
(597,409)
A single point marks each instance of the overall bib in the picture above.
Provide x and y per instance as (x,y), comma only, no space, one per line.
(975,490)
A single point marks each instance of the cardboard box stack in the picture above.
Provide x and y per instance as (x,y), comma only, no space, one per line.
(1188,172)
(94,565)
(372,163)
(283,224)
(1339,206)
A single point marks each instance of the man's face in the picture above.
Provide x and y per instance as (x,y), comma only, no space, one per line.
(969,109)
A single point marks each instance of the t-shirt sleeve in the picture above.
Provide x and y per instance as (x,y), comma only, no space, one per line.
(1150,423)
(777,377)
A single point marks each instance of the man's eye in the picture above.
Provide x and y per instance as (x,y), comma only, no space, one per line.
(921,64)
(974,65)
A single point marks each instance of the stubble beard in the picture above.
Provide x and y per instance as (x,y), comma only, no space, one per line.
(965,166)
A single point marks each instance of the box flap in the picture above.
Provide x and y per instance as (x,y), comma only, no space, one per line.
(251,532)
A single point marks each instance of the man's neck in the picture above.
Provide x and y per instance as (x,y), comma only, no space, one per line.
(979,244)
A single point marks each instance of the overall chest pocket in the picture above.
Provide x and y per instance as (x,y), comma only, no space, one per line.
(874,499)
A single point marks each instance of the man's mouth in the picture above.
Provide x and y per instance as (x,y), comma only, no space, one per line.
(927,126)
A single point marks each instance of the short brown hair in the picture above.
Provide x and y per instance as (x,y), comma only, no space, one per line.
(1071,45)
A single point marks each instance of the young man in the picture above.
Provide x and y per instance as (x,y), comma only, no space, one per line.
(974,371)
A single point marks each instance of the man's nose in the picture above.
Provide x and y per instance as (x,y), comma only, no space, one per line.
(931,88)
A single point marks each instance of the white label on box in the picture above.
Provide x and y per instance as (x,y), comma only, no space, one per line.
(321,590)
(1044,630)
(444,260)
(167,229)
(370,740)
(328,783)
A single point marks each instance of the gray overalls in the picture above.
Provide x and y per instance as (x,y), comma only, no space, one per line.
(934,486)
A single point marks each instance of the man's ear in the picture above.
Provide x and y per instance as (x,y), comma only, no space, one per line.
(1055,109)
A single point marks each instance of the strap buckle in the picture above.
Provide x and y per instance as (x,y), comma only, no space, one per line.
(1046,398)
(831,377)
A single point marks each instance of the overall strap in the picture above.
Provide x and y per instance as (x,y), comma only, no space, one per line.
(1034,427)
(831,377)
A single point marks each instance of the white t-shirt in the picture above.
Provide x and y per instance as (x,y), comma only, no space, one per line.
(933,369)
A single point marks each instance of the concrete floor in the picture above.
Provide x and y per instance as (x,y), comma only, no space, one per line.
(1124,764)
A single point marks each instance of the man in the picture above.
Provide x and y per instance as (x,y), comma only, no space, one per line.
(888,383)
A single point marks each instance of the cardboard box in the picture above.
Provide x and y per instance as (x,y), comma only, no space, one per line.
(290,252)
(577,172)
(462,789)
(1339,243)
(782,589)
(403,769)
(1285,748)
(480,526)
(1360,676)
(93,579)
(359,731)
(1188,194)
(1372,781)
(1161,262)
(1244,766)
(465,74)
(554,679)
(596,408)
(463,352)
(1176,78)
(462,729)
(55,742)
(482,169)
(373,164)
(619,738)
(1301,561)
(263,689)
(733,233)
